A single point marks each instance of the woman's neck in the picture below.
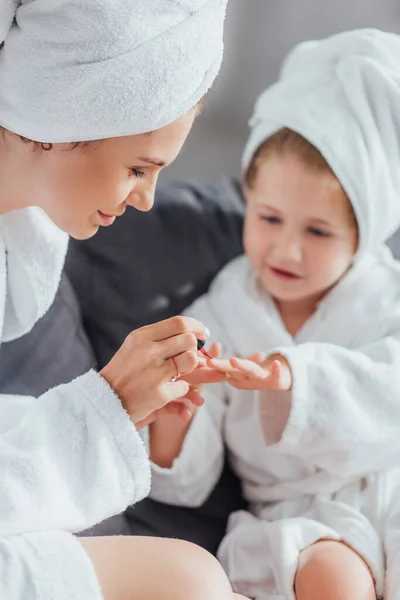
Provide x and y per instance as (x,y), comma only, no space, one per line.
(14,173)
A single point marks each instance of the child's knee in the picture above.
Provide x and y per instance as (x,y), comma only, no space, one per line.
(333,571)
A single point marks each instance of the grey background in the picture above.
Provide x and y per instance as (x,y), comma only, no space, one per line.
(258,35)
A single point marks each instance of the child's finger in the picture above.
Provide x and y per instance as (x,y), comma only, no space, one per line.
(275,374)
(258,357)
(222,365)
(204,375)
(249,367)
(215,350)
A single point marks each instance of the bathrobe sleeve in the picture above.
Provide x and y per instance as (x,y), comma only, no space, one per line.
(196,471)
(345,406)
(68,459)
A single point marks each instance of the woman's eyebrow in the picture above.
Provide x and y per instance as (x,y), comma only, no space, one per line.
(153,161)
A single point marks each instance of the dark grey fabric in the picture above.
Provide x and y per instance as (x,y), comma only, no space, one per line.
(147,267)
(394,244)
(150,266)
(56,350)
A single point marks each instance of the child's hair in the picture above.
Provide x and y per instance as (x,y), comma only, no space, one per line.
(287,141)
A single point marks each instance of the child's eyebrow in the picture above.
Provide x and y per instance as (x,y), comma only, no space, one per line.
(267,206)
(321,221)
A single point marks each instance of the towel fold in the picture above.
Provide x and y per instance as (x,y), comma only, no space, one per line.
(343,95)
(75,71)
(32,254)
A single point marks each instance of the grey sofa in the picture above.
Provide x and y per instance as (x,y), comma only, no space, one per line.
(146,267)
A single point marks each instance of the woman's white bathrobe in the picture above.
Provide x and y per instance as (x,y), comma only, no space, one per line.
(329,470)
(68,459)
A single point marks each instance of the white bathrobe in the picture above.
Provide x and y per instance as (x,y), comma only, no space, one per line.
(68,459)
(329,471)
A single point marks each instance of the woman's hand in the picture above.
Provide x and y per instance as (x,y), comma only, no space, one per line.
(140,372)
(186,407)
(256,372)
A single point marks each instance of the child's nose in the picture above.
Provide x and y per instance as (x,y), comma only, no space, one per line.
(289,247)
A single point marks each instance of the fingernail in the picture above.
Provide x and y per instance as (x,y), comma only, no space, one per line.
(208,333)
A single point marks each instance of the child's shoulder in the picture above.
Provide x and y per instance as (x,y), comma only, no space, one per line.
(376,287)
(236,272)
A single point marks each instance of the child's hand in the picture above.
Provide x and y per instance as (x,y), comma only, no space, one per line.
(256,372)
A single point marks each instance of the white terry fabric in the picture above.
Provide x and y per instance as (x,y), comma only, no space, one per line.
(108,68)
(68,459)
(32,254)
(343,95)
(332,472)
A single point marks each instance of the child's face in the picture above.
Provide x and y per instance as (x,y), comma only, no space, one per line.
(300,235)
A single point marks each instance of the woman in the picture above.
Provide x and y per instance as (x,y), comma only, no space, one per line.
(95,98)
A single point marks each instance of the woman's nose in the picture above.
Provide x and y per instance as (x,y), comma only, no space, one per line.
(142,197)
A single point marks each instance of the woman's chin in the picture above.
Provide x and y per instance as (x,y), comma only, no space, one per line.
(83,232)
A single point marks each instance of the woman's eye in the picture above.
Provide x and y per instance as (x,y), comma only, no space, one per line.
(271,220)
(137,173)
(318,232)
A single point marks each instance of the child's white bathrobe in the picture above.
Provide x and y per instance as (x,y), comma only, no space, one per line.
(329,467)
(325,472)
(68,459)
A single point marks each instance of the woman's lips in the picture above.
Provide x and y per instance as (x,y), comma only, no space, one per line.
(283,274)
(106,219)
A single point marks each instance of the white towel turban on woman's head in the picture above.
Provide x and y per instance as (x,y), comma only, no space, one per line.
(343,95)
(76,70)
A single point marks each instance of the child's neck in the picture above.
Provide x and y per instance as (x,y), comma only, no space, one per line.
(296,313)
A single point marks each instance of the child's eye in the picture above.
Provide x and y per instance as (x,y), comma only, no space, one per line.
(137,173)
(318,232)
(271,220)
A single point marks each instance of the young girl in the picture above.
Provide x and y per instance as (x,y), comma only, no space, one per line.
(310,415)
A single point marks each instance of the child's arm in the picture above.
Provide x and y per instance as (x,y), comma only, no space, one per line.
(341,407)
(187,458)
(166,437)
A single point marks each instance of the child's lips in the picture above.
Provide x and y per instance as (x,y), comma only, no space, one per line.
(282,274)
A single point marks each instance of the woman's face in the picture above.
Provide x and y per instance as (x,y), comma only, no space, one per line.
(87,188)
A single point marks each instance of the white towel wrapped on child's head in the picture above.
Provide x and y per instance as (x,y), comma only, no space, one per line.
(76,71)
(343,95)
